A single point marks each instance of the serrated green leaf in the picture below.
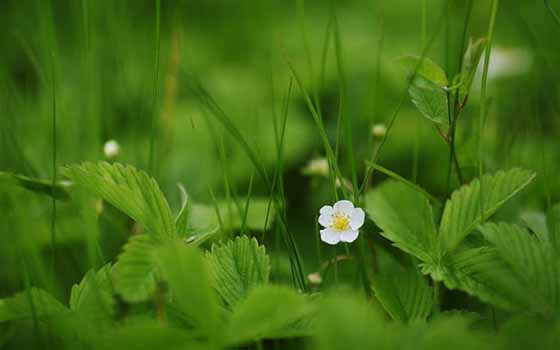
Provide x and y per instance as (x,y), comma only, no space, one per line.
(33,302)
(93,296)
(265,312)
(462,212)
(404,292)
(188,275)
(481,273)
(238,266)
(134,271)
(425,68)
(406,218)
(533,263)
(130,190)
(430,99)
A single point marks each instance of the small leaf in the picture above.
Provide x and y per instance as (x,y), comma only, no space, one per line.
(470,62)
(93,296)
(238,266)
(134,271)
(130,190)
(182,219)
(404,292)
(425,68)
(462,212)
(30,303)
(406,218)
(265,312)
(58,191)
(430,99)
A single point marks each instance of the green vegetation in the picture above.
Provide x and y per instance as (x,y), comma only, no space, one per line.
(180,174)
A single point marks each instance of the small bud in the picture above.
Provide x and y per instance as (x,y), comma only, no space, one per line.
(315,278)
(379,131)
(317,167)
(111,149)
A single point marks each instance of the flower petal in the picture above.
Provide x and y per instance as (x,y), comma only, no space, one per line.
(349,236)
(326,209)
(325,220)
(357,218)
(329,236)
(344,207)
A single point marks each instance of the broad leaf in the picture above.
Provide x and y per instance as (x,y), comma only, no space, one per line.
(481,273)
(532,262)
(266,312)
(130,190)
(404,292)
(430,99)
(188,276)
(33,302)
(406,218)
(238,266)
(134,271)
(93,296)
(462,212)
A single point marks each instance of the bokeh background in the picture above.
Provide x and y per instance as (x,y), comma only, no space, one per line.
(97,62)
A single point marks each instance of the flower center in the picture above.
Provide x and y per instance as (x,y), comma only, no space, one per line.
(340,222)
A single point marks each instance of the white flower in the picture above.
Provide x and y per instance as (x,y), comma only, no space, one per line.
(317,167)
(341,222)
(111,149)
(378,130)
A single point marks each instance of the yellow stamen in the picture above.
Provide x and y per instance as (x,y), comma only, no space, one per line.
(340,222)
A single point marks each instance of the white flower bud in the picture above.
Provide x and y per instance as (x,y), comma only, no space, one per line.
(315,278)
(379,130)
(111,149)
(317,167)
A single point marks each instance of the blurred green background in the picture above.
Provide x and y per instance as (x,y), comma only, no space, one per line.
(95,65)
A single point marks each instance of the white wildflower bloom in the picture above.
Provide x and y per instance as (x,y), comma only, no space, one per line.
(317,167)
(111,149)
(379,130)
(341,222)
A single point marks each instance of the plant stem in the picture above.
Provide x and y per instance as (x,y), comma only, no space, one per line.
(154,114)
(483,102)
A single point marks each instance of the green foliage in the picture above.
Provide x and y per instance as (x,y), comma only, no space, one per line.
(93,296)
(427,88)
(404,292)
(188,276)
(134,272)
(405,218)
(462,212)
(31,303)
(131,191)
(58,191)
(238,266)
(268,311)
(471,60)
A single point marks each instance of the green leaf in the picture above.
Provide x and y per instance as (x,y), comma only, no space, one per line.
(462,212)
(430,99)
(134,271)
(532,262)
(58,191)
(404,292)
(188,276)
(93,296)
(481,273)
(406,218)
(265,313)
(130,190)
(238,266)
(425,68)
(33,302)
(470,64)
